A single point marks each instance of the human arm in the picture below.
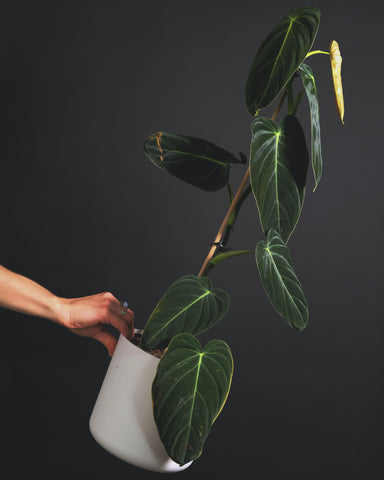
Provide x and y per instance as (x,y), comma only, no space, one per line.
(85,316)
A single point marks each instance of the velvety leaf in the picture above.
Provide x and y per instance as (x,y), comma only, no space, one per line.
(279,56)
(280,281)
(193,160)
(190,305)
(189,391)
(311,91)
(278,168)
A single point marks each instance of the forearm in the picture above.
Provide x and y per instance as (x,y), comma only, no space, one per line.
(26,296)
(86,316)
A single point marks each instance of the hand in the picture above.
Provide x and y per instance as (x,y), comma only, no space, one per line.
(87,316)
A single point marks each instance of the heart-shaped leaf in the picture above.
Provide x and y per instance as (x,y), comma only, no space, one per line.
(280,281)
(189,391)
(193,160)
(279,56)
(278,168)
(190,305)
(311,91)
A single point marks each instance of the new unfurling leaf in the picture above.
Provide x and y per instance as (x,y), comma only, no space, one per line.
(336,61)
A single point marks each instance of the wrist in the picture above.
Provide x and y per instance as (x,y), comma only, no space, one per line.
(59,311)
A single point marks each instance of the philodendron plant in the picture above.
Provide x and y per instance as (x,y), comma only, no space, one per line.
(192,382)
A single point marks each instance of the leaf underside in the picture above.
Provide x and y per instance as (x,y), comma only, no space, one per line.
(311,92)
(279,56)
(280,282)
(193,160)
(190,305)
(189,391)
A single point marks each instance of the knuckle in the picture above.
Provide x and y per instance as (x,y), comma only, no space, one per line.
(108,296)
(108,299)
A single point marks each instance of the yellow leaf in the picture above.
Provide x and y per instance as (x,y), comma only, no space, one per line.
(336,76)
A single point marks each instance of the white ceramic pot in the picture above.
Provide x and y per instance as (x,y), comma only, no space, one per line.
(122,419)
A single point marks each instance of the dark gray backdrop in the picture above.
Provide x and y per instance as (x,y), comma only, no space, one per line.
(83,211)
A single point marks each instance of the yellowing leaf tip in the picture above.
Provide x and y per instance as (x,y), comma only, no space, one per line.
(336,61)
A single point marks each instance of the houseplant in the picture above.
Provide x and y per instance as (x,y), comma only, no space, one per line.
(190,383)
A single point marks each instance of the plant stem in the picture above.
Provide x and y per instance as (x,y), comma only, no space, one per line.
(234,203)
(224,223)
(279,105)
(220,249)
(315,52)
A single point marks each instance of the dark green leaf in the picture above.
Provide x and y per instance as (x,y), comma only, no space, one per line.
(190,305)
(311,91)
(193,160)
(279,56)
(280,281)
(279,164)
(189,391)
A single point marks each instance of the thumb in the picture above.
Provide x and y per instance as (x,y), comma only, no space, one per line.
(107,339)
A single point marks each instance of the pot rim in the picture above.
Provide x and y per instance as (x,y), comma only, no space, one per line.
(130,343)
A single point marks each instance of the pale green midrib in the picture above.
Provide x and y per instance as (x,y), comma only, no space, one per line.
(193,401)
(163,402)
(281,280)
(178,364)
(169,373)
(195,155)
(276,183)
(259,205)
(180,313)
(277,58)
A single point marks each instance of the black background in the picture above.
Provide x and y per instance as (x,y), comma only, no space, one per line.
(84,211)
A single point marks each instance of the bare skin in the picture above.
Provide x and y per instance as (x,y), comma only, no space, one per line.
(85,316)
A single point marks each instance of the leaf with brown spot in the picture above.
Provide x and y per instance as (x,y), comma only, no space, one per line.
(193,160)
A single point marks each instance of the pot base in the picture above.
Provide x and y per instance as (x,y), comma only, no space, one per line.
(122,419)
